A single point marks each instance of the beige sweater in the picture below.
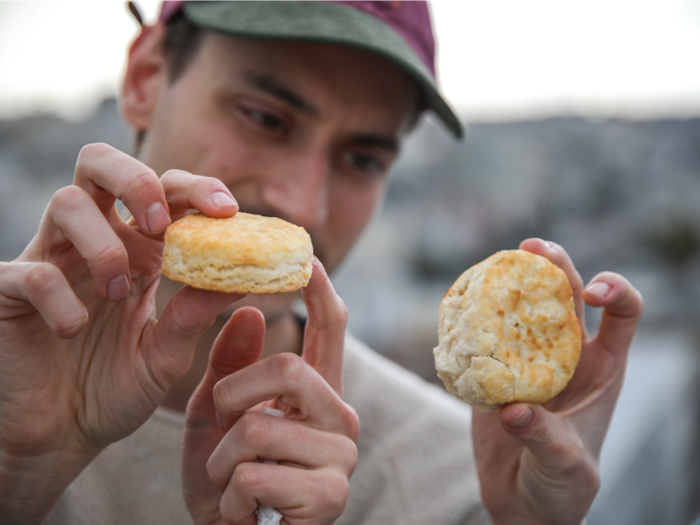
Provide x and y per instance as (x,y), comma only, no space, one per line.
(416,463)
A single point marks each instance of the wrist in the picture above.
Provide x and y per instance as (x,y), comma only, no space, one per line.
(31,485)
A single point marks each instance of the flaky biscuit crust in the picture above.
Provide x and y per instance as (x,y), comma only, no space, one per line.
(508,332)
(241,254)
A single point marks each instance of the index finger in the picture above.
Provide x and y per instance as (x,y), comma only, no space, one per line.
(324,337)
(622,307)
(107,174)
(186,191)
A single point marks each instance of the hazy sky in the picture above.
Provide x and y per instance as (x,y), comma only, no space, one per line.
(497,59)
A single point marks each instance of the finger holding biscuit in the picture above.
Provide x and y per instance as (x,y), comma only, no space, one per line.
(185,192)
(324,336)
(108,175)
(540,462)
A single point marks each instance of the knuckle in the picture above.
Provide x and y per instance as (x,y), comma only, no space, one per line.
(539,434)
(216,474)
(287,365)
(252,428)
(571,459)
(352,425)
(67,197)
(227,508)
(95,149)
(247,478)
(186,326)
(142,182)
(112,255)
(334,494)
(68,327)
(342,311)
(209,184)
(334,317)
(40,276)
(221,394)
(350,456)
(593,476)
(172,174)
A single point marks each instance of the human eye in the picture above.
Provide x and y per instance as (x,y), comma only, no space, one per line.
(364,164)
(263,120)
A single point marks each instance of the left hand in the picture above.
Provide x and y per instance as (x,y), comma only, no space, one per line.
(314,444)
(539,463)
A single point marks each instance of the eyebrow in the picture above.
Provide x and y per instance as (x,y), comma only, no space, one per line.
(277,89)
(389,144)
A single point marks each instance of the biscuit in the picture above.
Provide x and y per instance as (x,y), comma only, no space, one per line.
(508,332)
(241,254)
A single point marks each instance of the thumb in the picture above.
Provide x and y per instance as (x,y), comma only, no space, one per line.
(557,476)
(238,345)
(169,343)
(324,336)
(551,440)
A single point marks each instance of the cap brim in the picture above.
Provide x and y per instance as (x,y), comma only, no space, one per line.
(323,22)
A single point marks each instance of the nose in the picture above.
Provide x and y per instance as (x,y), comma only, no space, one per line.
(297,191)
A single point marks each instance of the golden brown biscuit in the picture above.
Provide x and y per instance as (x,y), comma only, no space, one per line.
(508,332)
(242,254)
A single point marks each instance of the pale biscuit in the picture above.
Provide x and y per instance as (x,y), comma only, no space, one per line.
(508,332)
(242,254)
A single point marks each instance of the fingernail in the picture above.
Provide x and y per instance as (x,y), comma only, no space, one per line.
(222,200)
(118,288)
(157,218)
(599,289)
(523,419)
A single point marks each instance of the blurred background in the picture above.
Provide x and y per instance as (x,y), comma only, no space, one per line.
(584,128)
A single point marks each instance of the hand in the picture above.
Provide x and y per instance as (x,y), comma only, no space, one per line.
(539,463)
(314,444)
(83,361)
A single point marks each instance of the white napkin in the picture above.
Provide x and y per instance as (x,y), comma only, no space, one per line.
(269,515)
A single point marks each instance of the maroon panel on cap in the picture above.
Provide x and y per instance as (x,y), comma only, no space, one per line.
(168,10)
(410,19)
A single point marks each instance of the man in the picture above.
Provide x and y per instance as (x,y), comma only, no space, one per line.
(295,110)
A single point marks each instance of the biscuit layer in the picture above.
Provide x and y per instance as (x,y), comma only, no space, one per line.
(242,254)
(508,332)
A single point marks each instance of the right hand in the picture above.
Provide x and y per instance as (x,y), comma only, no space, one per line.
(83,361)
(314,445)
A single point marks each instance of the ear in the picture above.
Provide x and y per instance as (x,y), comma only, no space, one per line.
(145,71)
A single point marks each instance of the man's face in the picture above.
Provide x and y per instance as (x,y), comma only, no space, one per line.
(302,131)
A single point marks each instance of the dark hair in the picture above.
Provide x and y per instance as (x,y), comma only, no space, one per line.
(180,45)
(182,41)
